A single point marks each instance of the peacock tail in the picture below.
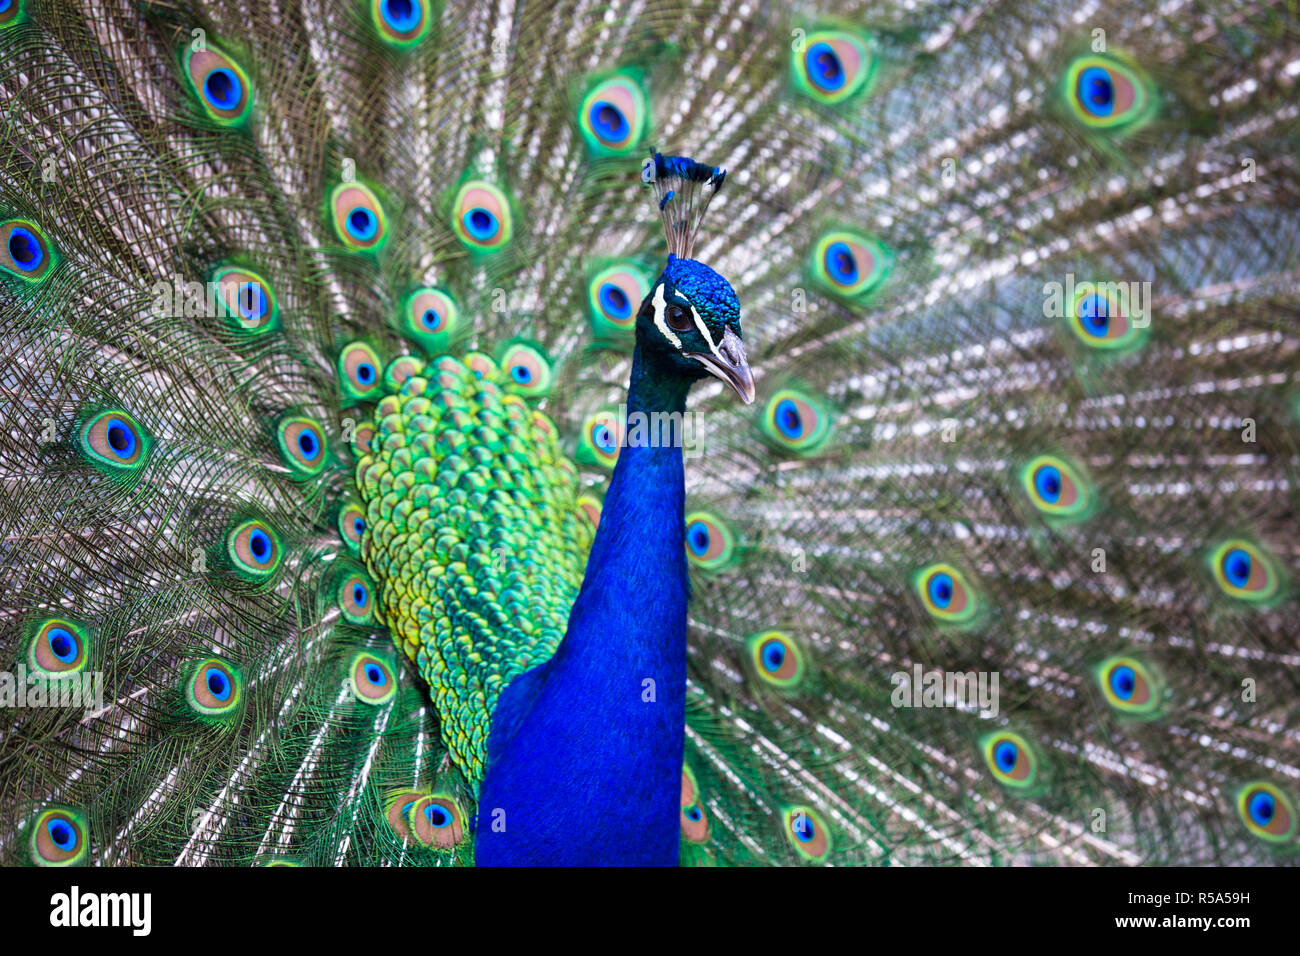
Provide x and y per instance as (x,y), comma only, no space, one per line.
(317,318)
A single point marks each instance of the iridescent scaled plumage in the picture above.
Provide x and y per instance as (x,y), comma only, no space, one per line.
(475,538)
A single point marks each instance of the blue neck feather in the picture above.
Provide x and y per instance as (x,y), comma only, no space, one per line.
(585,754)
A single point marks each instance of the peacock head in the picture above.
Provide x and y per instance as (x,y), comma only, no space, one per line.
(690,320)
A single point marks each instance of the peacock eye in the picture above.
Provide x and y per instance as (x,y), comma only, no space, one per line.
(679,320)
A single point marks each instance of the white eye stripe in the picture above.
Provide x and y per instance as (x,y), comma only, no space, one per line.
(704,330)
(660,323)
(661,309)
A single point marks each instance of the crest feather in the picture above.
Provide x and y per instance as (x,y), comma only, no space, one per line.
(684,189)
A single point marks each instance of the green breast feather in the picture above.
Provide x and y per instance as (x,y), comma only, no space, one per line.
(474,535)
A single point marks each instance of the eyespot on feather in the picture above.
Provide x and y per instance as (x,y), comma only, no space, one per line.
(481,216)
(436,821)
(600,439)
(1099,319)
(527,370)
(1106,94)
(356,599)
(850,266)
(613,296)
(777,659)
(57,647)
(1010,759)
(302,445)
(832,66)
(1056,488)
(358,217)
(1129,685)
(401,23)
(694,819)
(431,318)
(352,526)
(247,300)
(1267,812)
(373,679)
(613,115)
(254,549)
(807,833)
(12,13)
(220,85)
(397,808)
(795,422)
(58,837)
(946,594)
(114,439)
(710,544)
(1245,571)
(24,250)
(214,688)
(360,371)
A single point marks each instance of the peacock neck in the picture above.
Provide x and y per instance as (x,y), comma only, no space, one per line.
(602,724)
(639,551)
(629,621)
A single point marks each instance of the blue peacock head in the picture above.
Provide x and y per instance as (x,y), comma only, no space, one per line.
(691,316)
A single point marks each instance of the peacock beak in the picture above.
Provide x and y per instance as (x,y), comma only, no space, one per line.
(729,364)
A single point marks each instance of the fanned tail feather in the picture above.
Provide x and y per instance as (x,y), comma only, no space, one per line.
(225,229)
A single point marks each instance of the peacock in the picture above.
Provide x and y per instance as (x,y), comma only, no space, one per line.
(388,480)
